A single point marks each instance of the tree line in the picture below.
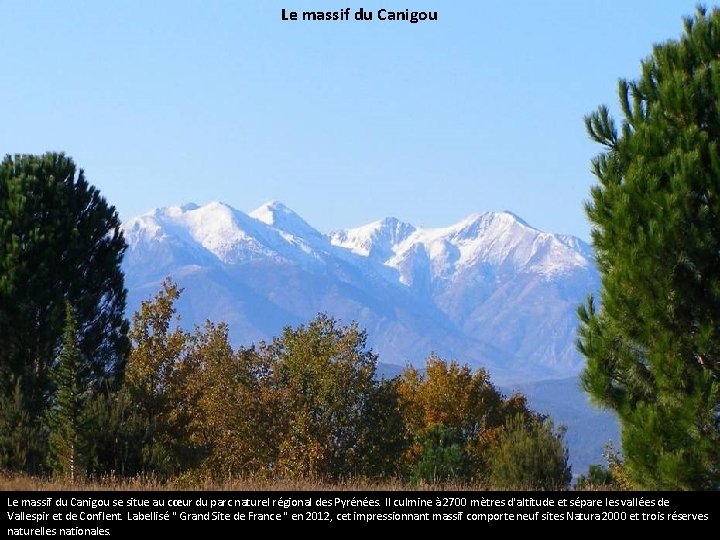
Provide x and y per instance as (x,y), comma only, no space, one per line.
(307,404)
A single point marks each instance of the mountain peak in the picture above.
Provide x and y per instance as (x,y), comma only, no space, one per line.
(187,207)
(376,239)
(214,207)
(276,214)
(517,218)
(271,211)
(482,223)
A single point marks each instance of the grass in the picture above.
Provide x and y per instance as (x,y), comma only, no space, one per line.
(21,482)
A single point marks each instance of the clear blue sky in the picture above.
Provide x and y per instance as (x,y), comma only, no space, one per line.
(167,102)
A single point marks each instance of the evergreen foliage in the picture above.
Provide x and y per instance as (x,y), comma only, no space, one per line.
(59,241)
(653,345)
(597,477)
(442,456)
(22,445)
(66,416)
(530,455)
(115,435)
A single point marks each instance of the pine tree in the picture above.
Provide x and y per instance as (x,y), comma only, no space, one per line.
(22,444)
(442,457)
(115,432)
(653,342)
(66,416)
(59,240)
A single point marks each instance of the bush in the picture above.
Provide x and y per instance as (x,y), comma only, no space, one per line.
(530,455)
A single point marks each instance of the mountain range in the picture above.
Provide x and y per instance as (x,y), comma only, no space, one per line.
(490,291)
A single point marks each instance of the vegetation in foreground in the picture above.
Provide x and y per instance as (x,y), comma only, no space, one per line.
(307,405)
(23,482)
(653,343)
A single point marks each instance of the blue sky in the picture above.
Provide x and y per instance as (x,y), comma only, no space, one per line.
(168,102)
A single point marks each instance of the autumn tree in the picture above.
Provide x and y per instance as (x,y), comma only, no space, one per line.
(237,417)
(449,394)
(306,404)
(447,403)
(153,383)
(328,377)
(652,342)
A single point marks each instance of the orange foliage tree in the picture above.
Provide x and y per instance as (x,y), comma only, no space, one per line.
(459,401)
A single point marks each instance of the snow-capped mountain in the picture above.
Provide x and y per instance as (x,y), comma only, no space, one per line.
(489,290)
(376,240)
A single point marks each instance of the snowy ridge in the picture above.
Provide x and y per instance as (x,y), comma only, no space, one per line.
(272,231)
(375,240)
(279,216)
(497,238)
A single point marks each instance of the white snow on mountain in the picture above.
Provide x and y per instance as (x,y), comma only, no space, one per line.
(500,239)
(375,240)
(279,216)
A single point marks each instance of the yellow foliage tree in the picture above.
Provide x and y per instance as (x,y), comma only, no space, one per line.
(237,415)
(325,376)
(152,379)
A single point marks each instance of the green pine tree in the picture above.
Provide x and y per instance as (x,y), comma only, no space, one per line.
(59,240)
(65,418)
(653,342)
